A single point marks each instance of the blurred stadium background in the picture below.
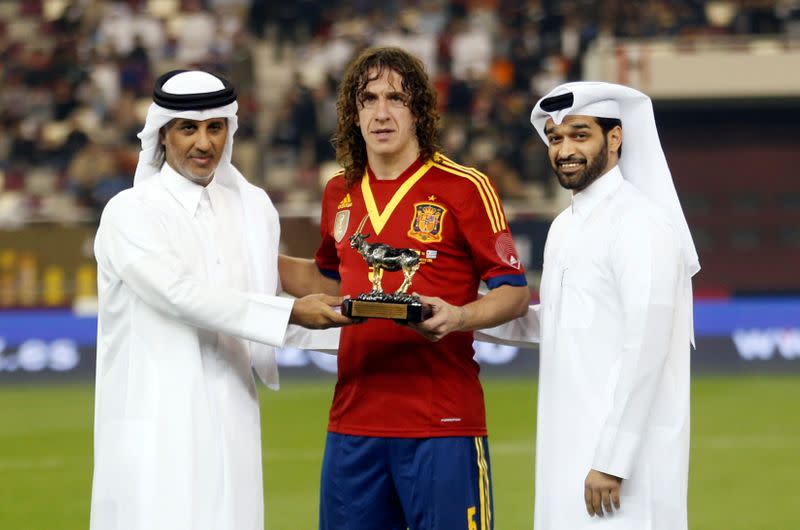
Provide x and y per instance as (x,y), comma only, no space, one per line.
(725,79)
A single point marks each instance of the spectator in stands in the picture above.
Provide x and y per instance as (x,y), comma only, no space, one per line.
(187,276)
(525,54)
(64,99)
(240,64)
(117,28)
(60,154)
(25,148)
(287,16)
(71,18)
(471,49)
(102,90)
(326,97)
(461,93)
(134,69)
(125,120)
(94,176)
(196,34)
(615,320)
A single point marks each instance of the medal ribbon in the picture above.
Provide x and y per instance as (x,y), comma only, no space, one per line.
(379,219)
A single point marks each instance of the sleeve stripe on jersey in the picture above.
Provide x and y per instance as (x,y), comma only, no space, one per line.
(486,183)
(489,213)
(493,208)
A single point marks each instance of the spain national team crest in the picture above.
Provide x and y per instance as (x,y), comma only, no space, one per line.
(427,223)
(340,224)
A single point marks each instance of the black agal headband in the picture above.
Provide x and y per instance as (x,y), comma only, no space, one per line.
(200,101)
(553,103)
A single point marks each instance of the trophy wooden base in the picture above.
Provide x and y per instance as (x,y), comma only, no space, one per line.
(403,310)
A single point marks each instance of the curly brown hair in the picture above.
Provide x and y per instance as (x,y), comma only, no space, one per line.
(351,150)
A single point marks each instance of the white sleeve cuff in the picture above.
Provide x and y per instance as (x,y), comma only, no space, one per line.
(615,452)
(267,318)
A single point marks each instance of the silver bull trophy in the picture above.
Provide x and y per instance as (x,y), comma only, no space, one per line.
(376,304)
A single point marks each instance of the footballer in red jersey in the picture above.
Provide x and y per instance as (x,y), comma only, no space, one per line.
(407,445)
(392,380)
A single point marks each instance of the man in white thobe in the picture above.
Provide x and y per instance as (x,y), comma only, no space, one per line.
(615,321)
(187,277)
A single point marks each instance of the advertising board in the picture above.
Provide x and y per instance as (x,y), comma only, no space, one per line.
(737,335)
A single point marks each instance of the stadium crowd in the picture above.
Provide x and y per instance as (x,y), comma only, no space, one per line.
(76,77)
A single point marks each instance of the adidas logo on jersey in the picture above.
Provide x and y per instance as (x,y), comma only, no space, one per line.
(347,202)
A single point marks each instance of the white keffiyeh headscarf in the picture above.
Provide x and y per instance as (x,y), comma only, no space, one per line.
(643,163)
(191,95)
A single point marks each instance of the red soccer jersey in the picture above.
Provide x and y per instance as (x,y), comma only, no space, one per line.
(392,381)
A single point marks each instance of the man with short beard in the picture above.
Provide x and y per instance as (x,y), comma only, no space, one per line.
(574,170)
(615,321)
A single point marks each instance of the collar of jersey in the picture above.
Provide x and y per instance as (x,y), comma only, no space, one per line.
(379,219)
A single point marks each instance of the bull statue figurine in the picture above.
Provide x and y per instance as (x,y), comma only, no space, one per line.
(381,256)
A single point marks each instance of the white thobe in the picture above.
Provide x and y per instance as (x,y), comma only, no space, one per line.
(615,329)
(184,286)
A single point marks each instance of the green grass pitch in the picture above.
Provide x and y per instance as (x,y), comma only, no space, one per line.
(744,470)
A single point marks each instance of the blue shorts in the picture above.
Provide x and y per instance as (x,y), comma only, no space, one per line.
(371,483)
